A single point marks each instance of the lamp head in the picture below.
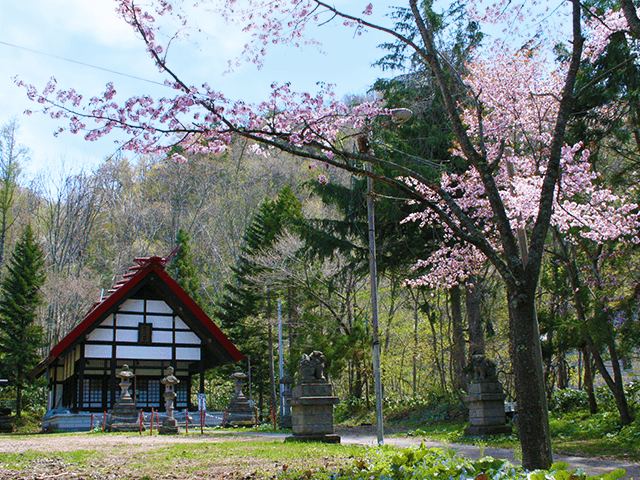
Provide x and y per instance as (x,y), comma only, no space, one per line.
(400,115)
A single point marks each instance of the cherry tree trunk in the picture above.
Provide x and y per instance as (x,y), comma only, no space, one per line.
(526,357)
(458,357)
(588,380)
(474,317)
(618,392)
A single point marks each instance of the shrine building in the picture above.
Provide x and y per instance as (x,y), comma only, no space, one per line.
(147,322)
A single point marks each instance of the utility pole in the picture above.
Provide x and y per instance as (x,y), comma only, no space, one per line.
(373,281)
(398,116)
(280,360)
(365,148)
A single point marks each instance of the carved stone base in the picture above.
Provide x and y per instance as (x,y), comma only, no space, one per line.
(168,427)
(313,438)
(6,424)
(312,410)
(125,417)
(486,409)
(479,431)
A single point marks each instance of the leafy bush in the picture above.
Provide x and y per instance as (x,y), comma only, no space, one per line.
(571,399)
(421,409)
(606,401)
(629,435)
(568,399)
(604,398)
(426,463)
(349,408)
(603,427)
(425,409)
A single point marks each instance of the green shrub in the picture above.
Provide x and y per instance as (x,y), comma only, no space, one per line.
(569,399)
(425,409)
(349,408)
(426,463)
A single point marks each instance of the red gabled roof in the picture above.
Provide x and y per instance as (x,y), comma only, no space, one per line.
(118,294)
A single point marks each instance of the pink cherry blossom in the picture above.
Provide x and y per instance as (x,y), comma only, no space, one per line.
(518,92)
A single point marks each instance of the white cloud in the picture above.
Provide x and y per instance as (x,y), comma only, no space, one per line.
(94,20)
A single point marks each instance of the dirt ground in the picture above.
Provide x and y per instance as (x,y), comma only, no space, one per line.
(45,456)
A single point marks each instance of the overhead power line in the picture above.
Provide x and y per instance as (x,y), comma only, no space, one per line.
(81,63)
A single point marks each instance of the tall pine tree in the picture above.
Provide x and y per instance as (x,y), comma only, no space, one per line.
(247,307)
(182,270)
(20,336)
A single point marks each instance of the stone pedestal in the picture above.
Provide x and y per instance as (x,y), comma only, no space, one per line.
(239,412)
(285,414)
(312,413)
(6,420)
(124,417)
(169,425)
(312,403)
(485,400)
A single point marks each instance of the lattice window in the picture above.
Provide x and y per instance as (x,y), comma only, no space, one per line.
(92,392)
(182,393)
(147,392)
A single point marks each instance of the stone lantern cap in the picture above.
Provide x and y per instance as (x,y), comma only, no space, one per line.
(125,373)
(169,378)
(239,377)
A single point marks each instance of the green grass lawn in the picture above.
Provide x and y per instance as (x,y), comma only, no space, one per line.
(208,457)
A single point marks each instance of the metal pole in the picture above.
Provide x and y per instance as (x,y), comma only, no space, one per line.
(249,374)
(398,116)
(280,359)
(373,270)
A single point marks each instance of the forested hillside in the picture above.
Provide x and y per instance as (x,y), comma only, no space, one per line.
(262,229)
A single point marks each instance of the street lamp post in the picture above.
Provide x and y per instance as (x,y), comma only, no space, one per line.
(398,116)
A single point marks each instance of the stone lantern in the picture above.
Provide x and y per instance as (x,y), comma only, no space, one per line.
(124,416)
(239,412)
(169,425)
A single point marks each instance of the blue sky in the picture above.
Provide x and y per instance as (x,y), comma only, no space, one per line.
(89,32)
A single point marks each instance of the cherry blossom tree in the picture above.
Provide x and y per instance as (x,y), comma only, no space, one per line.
(521,105)
(499,210)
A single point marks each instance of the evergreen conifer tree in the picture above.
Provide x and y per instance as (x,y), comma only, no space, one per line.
(245,301)
(20,336)
(183,270)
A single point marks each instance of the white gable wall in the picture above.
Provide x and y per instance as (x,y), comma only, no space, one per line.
(171,338)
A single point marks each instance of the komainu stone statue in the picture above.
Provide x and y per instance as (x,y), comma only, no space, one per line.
(483,368)
(485,400)
(311,368)
(312,402)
